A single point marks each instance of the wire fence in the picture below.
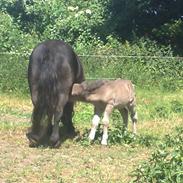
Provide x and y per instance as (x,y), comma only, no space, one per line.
(143,70)
(107,56)
(132,56)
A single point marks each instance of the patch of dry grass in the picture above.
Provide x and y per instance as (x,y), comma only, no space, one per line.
(72,162)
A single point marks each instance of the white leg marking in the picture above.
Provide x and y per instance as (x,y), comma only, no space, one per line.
(105,121)
(105,135)
(105,128)
(95,122)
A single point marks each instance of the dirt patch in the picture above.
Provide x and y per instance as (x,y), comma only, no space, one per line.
(70,163)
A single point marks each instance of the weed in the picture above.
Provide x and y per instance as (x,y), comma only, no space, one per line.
(147,140)
(177,106)
(174,139)
(119,135)
(164,165)
(161,111)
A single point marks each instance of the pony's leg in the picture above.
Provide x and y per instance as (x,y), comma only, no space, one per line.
(105,122)
(34,133)
(133,115)
(124,115)
(48,128)
(67,117)
(95,122)
(55,137)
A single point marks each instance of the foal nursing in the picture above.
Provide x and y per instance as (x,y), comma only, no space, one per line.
(106,95)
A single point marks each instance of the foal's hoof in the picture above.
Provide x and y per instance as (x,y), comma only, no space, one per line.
(104,142)
(90,142)
(91,137)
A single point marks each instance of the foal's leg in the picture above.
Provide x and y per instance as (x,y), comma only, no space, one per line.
(133,115)
(124,115)
(105,121)
(95,121)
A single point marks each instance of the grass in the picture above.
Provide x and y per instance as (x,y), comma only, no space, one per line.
(73,161)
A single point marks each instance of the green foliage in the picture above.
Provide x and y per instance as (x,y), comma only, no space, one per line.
(13,75)
(165,109)
(89,27)
(164,165)
(160,20)
(143,71)
(161,111)
(143,61)
(12,38)
(119,135)
(81,22)
(172,140)
(177,106)
(72,21)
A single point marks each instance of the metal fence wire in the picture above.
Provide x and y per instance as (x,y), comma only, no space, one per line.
(142,70)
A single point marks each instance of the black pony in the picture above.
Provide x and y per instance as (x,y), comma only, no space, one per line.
(52,70)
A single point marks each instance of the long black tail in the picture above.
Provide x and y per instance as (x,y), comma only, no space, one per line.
(47,89)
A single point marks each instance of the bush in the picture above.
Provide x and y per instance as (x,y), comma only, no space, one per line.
(165,164)
(13,39)
(13,75)
(119,135)
(82,24)
(144,62)
(146,72)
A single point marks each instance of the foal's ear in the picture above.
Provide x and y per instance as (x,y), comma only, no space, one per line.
(76,89)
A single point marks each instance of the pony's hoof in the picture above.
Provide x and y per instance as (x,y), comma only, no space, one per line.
(33,144)
(71,132)
(57,145)
(54,142)
(33,140)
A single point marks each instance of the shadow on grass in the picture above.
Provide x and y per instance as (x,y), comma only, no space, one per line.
(44,142)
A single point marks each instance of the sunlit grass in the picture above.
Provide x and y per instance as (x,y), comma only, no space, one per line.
(73,162)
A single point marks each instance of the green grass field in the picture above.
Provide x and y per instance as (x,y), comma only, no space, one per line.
(159,114)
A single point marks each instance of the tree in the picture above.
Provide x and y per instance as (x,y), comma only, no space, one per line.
(151,18)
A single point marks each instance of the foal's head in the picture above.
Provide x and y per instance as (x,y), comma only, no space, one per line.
(86,87)
(77,89)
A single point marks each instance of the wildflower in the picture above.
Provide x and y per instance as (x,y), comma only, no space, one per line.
(87,11)
(71,8)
